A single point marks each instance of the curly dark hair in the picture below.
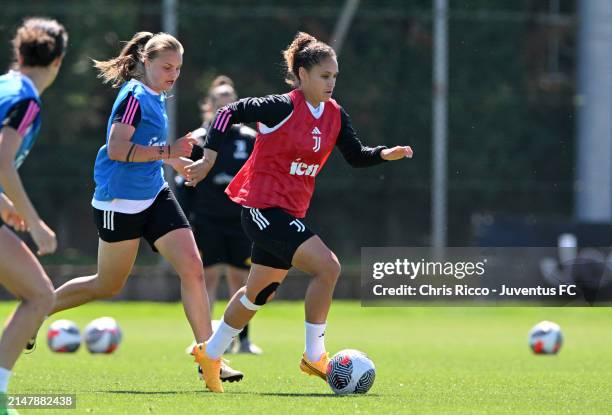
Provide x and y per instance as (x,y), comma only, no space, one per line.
(305,51)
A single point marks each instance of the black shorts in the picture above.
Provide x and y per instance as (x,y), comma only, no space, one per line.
(162,217)
(222,241)
(1,223)
(276,235)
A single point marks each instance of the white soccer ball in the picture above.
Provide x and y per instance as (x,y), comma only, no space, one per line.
(102,335)
(545,338)
(63,336)
(350,371)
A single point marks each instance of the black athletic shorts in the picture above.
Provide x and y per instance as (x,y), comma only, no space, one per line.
(162,217)
(276,235)
(222,241)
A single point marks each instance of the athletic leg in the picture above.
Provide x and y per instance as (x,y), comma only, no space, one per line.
(315,258)
(236,278)
(115,262)
(244,304)
(24,277)
(178,247)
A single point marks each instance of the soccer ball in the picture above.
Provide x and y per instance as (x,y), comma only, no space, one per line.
(350,371)
(545,338)
(102,335)
(63,336)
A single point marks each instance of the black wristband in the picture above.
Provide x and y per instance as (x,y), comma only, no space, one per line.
(129,153)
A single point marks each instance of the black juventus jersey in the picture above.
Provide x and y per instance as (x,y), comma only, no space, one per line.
(208,198)
(271,110)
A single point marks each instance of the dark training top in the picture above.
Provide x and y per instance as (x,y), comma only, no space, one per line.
(271,110)
(208,199)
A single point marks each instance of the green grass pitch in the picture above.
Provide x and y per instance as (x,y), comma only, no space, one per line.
(428,360)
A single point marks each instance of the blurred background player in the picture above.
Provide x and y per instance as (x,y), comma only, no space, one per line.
(39,47)
(214,217)
(132,199)
(296,134)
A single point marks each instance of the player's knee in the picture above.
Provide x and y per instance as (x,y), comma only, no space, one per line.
(194,275)
(46,301)
(260,296)
(41,297)
(329,269)
(266,294)
(191,270)
(109,289)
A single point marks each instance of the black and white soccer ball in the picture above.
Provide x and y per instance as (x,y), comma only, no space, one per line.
(63,336)
(350,371)
(102,335)
(545,338)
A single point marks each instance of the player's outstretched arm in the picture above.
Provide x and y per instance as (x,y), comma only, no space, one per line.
(358,155)
(396,153)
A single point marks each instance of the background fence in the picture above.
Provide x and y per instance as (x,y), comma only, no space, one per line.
(511,108)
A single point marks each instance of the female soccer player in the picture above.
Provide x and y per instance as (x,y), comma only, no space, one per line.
(297,132)
(132,199)
(214,217)
(39,47)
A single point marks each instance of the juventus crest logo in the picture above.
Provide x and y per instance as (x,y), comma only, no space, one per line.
(316,136)
(299,225)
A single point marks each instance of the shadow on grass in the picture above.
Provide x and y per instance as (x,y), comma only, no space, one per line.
(134,392)
(303,395)
(199,391)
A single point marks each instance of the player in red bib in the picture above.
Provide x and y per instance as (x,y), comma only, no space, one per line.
(296,134)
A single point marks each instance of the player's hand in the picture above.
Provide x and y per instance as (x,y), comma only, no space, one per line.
(196,172)
(179,164)
(44,237)
(183,146)
(396,153)
(10,216)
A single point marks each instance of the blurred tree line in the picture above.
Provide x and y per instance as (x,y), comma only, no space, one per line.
(511,111)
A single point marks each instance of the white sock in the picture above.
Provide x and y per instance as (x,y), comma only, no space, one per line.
(220,340)
(315,340)
(5,374)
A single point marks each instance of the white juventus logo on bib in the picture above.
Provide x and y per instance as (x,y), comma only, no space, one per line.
(316,136)
(299,225)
